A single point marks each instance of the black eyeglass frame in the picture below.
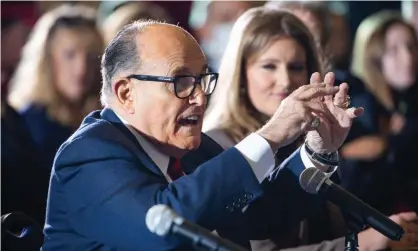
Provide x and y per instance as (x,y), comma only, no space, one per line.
(197,80)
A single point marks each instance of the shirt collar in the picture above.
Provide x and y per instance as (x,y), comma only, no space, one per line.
(160,159)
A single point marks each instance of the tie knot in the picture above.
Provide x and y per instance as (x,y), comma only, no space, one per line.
(174,169)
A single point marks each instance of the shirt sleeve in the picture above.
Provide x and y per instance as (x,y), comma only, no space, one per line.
(307,162)
(258,153)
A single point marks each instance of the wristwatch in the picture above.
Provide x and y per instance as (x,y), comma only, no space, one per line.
(330,159)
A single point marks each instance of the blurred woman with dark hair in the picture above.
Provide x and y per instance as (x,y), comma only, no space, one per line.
(383,150)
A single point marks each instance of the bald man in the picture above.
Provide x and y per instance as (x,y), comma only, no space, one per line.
(146,148)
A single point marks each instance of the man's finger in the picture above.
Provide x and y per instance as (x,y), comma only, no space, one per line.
(316,92)
(315,78)
(321,109)
(341,97)
(329,81)
(304,88)
(354,112)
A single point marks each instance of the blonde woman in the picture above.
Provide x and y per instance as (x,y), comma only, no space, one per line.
(269,55)
(385,57)
(57,81)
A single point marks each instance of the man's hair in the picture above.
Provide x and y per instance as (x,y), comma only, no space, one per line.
(121,55)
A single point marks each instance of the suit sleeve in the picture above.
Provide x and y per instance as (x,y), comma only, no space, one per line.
(108,191)
(282,205)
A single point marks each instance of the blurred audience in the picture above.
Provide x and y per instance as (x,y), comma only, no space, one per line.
(24,177)
(16,21)
(57,81)
(130,12)
(339,44)
(221,16)
(314,14)
(381,167)
(270,54)
(178,11)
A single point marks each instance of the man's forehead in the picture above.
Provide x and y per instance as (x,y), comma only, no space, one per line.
(162,41)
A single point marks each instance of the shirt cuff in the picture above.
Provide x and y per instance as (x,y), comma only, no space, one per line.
(307,162)
(258,153)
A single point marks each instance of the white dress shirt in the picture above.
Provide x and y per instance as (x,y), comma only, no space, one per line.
(254,142)
(254,148)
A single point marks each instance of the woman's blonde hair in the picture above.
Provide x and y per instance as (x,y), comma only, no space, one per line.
(230,108)
(128,13)
(32,82)
(368,50)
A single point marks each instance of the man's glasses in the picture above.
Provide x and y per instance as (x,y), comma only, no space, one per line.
(184,85)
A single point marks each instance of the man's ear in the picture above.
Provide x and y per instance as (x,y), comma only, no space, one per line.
(124,92)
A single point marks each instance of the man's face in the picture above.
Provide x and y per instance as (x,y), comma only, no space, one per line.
(159,114)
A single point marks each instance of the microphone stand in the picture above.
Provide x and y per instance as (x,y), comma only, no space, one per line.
(354,226)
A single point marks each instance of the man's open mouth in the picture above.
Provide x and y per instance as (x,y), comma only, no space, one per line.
(190,120)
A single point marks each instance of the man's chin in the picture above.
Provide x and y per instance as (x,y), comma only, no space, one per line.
(193,143)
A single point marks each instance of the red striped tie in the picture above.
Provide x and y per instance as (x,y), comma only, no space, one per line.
(174,169)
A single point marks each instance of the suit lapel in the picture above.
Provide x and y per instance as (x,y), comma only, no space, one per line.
(110,116)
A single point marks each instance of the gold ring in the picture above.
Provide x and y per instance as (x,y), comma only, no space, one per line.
(347,103)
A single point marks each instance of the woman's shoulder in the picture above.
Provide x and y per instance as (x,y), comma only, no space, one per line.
(220,136)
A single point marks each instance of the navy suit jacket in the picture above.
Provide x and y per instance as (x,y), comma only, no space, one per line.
(103,183)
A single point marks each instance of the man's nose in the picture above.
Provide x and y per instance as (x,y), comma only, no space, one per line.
(198,96)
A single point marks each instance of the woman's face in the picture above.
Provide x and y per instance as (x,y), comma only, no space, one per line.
(75,61)
(275,73)
(399,61)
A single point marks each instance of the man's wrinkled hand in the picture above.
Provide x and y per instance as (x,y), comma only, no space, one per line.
(334,128)
(296,113)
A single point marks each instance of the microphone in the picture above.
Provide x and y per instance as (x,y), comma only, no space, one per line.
(314,181)
(161,220)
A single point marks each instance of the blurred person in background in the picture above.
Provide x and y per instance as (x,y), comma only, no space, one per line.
(130,12)
(339,44)
(331,33)
(220,18)
(24,177)
(17,18)
(178,11)
(381,167)
(314,14)
(270,54)
(57,81)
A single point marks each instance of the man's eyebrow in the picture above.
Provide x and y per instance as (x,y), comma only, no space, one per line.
(186,70)
(181,70)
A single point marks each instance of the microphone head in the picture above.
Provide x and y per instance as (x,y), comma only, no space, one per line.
(311,179)
(159,219)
